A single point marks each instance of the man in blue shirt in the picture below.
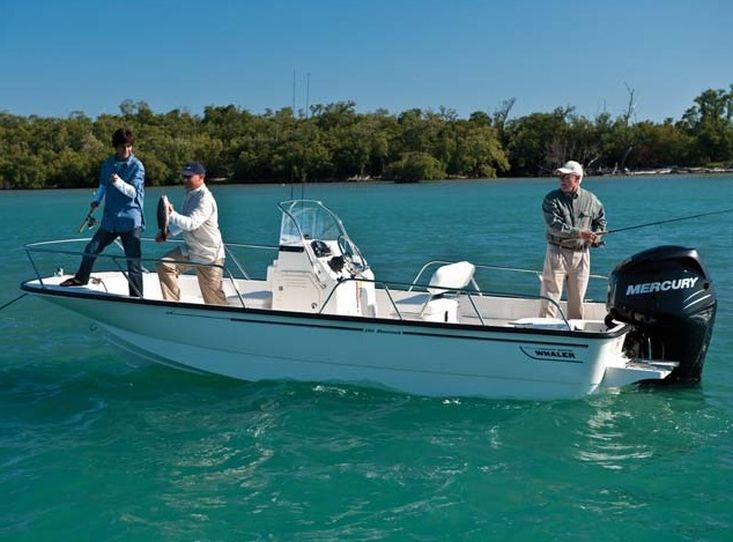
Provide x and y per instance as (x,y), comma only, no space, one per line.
(121,185)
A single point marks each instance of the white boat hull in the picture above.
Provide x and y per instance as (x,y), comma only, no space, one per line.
(412,357)
(319,314)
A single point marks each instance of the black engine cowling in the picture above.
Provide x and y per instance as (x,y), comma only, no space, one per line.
(667,295)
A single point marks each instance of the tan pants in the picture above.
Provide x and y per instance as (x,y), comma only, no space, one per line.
(561,263)
(209,278)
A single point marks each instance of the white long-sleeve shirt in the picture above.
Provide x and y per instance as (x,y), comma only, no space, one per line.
(199,222)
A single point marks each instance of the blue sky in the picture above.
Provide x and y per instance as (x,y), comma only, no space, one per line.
(59,57)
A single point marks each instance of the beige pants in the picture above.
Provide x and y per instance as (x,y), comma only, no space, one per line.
(209,278)
(561,263)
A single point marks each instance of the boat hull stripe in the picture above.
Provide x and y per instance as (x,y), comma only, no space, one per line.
(371,330)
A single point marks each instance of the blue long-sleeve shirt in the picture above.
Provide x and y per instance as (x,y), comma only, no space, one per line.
(123,200)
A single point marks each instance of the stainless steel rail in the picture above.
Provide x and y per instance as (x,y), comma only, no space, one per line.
(43,247)
(48,247)
(468,293)
(494,267)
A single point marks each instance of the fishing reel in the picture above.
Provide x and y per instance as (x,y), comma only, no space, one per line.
(88,223)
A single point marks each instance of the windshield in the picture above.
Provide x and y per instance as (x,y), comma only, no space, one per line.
(304,220)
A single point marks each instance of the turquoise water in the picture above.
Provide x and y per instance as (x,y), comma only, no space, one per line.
(95,445)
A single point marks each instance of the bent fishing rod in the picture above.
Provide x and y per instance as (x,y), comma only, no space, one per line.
(690,217)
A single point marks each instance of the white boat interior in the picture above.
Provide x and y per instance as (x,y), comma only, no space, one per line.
(477,310)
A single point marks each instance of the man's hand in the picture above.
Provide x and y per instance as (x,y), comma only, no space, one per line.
(159,237)
(589,237)
(94,204)
(114,178)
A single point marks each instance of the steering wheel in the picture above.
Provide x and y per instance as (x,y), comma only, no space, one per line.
(345,247)
(347,251)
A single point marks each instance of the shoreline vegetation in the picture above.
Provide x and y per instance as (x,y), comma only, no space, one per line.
(334,142)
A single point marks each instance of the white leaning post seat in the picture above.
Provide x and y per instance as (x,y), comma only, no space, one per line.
(446,278)
(455,276)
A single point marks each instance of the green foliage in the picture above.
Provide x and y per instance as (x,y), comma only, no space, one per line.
(335,142)
(415,166)
(709,122)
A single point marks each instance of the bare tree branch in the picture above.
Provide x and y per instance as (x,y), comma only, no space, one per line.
(631,105)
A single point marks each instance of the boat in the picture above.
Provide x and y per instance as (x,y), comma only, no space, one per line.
(321,315)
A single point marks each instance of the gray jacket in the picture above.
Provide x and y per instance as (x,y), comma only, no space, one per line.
(567,214)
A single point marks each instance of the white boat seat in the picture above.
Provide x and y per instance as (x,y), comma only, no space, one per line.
(455,276)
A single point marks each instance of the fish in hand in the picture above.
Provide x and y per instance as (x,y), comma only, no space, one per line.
(162,214)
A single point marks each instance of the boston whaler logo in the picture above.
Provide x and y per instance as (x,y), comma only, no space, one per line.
(664,286)
(545,353)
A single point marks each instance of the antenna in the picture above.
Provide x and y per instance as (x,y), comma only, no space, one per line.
(307,93)
(291,182)
(307,113)
(292,168)
(293,92)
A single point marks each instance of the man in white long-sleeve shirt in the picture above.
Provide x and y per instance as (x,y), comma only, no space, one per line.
(202,248)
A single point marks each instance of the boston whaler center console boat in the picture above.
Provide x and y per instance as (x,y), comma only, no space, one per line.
(321,315)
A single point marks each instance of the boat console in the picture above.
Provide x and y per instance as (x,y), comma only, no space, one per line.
(315,255)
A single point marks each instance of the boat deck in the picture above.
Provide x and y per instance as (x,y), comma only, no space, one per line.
(479,310)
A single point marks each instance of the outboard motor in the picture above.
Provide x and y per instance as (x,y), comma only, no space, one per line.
(667,295)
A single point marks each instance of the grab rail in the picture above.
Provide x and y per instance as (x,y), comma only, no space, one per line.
(231,255)
(40,247)
(468,293)
(487,266)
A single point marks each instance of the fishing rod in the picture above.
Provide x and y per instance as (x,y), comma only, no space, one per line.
(13,301)
(664,221)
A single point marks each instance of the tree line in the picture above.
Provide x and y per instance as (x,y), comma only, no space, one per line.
(335,142)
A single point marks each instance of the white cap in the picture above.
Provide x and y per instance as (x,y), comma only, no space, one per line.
(571,167)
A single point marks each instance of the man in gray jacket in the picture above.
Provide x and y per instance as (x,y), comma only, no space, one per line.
(202,248)
(572,216)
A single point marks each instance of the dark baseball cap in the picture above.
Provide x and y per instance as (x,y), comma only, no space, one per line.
(193,168)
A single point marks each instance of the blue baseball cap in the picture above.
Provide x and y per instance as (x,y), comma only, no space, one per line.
(193,168)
